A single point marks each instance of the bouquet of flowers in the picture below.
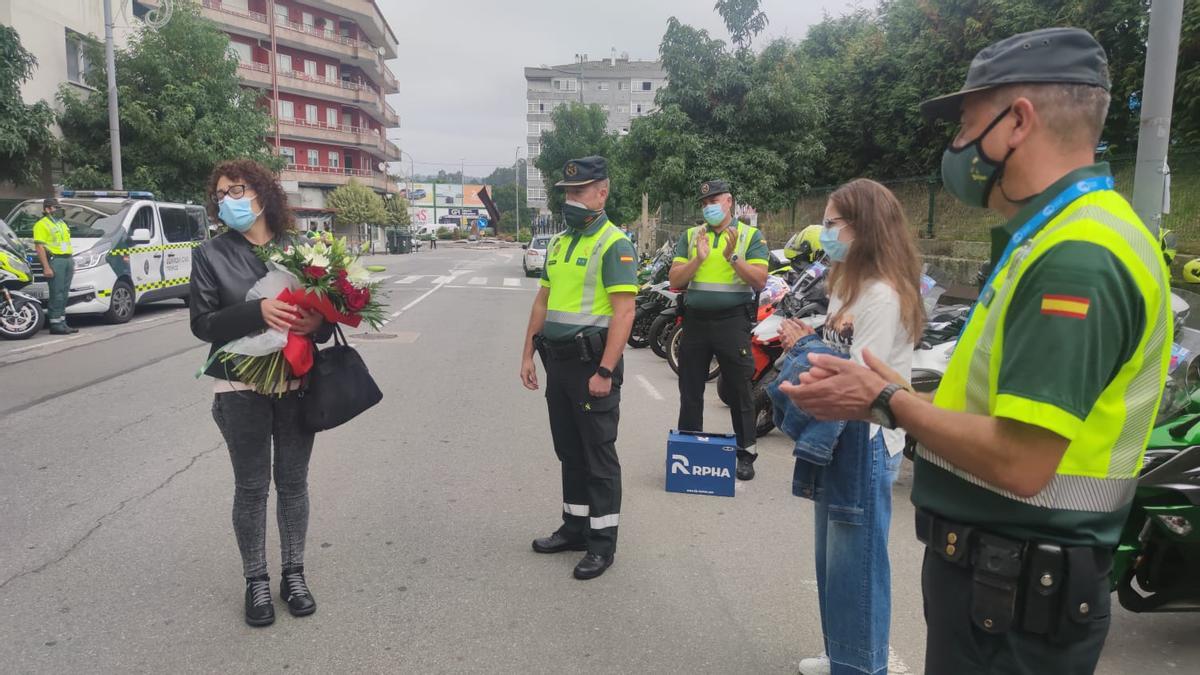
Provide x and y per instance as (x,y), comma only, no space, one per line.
(322,275)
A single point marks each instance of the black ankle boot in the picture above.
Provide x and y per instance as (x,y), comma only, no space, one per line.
(294,591)
(260,611)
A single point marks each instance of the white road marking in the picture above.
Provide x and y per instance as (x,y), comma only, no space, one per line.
(383,277)
(410,279)
(477,281)
(396,314)
(483,288)
(649,387)
(512,281)
(38,345)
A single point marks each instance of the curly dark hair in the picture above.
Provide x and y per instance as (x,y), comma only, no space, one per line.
(264,182)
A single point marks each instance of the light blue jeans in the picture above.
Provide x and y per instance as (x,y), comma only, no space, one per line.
(854,576)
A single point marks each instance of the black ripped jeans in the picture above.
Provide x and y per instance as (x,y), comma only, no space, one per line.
(252,425)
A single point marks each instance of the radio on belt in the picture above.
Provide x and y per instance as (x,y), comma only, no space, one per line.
(700,463)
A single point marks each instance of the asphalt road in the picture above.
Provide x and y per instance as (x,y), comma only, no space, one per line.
(118,553)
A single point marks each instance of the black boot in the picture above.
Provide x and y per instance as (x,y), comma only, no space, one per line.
(557,543)
(260,611)
(745,466)
(293,589)
(592,566)
(59,329)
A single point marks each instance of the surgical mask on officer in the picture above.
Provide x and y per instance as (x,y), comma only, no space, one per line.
(579,217)
(831,242)
(714,214)
(968,173)
(237,213)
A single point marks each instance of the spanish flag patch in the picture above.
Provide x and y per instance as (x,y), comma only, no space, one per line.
(626,258)
(1070,306)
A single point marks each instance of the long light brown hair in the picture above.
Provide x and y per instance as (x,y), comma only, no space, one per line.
(883,249)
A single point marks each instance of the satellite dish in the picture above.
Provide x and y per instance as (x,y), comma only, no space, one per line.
(383,166)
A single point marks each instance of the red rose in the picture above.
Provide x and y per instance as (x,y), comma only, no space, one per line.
(342,273)
(357,300)
(314,272)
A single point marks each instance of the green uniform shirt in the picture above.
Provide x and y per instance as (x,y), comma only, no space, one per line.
(618,272)
(54,234)
(756,254)
(1056,365)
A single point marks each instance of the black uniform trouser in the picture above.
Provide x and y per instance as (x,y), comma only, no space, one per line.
(729,340)
(956,646)
(584,430)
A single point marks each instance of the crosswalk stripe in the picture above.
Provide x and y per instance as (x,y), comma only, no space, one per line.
(477,281)
(383,277)
(512,281)
(444,279)
(409,279)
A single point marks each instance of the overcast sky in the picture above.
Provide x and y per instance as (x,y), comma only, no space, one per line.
(460,62)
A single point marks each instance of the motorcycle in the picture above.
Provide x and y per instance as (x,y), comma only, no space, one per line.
(21,314)
(1154,566)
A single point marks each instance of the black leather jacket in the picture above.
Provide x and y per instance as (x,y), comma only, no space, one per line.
(224,269)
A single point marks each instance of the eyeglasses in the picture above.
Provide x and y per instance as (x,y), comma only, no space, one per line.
(235,191)
(832,222)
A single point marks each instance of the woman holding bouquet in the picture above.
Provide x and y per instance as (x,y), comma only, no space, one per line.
(248,199)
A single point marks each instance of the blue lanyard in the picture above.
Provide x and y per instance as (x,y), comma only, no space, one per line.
(1033,225)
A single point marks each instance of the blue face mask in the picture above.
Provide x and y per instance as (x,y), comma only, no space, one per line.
(834,248)
(237,214)
(714,214)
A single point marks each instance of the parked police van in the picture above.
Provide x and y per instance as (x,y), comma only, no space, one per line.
(130,249)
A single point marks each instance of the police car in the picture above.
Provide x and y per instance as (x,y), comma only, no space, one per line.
(130,249)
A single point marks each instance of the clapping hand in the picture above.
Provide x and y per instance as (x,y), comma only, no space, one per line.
(792,331)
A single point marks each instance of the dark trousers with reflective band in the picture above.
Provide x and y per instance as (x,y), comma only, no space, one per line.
(728,339)
(60,286)
(956,646)
(584,430)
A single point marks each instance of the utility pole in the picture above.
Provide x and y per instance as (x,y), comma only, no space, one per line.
(462,183)
(274,59)
(1162,56)
(114,119)
(517,189)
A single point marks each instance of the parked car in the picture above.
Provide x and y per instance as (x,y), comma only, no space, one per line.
(534,259)
(130,249)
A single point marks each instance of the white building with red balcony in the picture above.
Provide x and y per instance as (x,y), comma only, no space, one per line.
(321,67)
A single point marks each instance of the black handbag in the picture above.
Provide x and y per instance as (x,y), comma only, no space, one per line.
(338,388)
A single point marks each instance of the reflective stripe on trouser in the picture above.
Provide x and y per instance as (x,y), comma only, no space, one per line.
(729,340)
(60,288)
(584,430)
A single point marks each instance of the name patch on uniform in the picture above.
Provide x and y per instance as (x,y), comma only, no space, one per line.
(626,258)
(1070,306)
(582,262)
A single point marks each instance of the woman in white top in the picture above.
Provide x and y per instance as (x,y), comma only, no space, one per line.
(875,304)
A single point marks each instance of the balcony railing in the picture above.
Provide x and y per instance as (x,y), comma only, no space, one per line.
(323,33)
(341,134)
(351,91)
(332,175)
(217,7)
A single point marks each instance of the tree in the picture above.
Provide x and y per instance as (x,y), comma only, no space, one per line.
(506,198)
(504,175)
(397,212)
(743,18)
(357,204)
(25,138)
(579,131)
(182,112)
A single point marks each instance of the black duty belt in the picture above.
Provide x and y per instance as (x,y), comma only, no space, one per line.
(60,255)
(1037,587)
(582,347)
(718,314)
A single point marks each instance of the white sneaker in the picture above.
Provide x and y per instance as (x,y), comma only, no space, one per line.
(815,666)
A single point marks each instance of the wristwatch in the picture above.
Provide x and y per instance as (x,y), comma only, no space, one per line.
(881,408)
(733,258)
(604,372)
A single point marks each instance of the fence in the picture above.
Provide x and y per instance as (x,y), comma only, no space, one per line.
(934,213)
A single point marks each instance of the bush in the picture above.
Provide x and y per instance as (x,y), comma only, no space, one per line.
(444,233)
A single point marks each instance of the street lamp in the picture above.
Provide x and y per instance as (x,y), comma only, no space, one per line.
(517,189)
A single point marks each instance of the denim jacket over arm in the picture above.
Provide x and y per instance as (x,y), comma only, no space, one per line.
(814,439)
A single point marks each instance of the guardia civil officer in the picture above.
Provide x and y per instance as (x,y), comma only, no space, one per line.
(722,264)
(579,324)
(52,237)
(1029,453)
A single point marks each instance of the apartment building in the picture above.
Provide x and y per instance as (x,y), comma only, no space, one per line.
(622,88)
(321,65)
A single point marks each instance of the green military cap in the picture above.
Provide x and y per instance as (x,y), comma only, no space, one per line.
(713,187)
(49,202)
(1046,56)
(583,171)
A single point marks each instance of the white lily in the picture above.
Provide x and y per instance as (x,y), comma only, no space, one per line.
(314,256)
(357,275)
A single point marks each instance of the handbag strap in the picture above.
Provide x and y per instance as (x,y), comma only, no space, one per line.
(339,338)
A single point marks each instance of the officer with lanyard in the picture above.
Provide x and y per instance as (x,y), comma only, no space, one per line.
(1028,455)
(723,265)
(52,237)
(579,324)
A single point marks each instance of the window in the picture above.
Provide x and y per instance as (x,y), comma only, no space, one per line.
(198,219)
(622,86)
(637,109)
(646,86)
(535,128)
(536,107)
(177,227)
(535,149)
(331,117)
(242,51)
(308,20)
(287,110)
(143,219)
(310,114)
(622,109)
(314,158)
(572,85)
(566,85)
(310,68)
(237,6)
(284,60)
(281,13)
(288,153)
(77,63)
(603,86)
(334,159)
(331,72)
(604,107)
